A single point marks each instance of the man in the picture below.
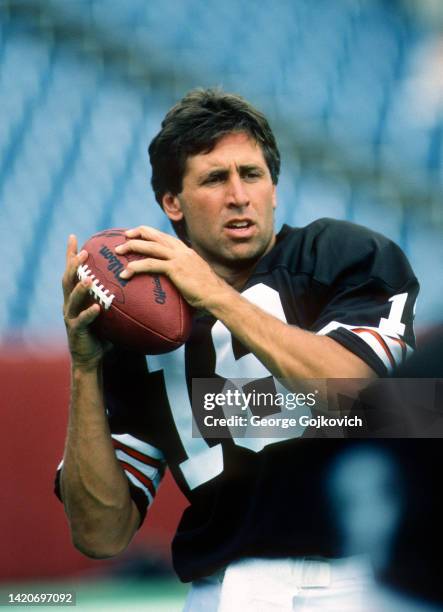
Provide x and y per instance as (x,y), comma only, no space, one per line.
(329,300)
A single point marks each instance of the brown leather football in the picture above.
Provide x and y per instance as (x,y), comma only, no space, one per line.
(145,313)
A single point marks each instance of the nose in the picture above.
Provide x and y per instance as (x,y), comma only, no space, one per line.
(237,195)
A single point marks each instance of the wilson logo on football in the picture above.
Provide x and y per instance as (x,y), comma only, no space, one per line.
(160,295)
(115,265)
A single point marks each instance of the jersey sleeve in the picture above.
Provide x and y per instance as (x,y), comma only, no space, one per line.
(371,293)
(125,393)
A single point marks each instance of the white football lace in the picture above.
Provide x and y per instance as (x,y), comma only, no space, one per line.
(97,290)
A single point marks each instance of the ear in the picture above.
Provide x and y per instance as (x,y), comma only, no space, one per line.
(274,196)
(171,206)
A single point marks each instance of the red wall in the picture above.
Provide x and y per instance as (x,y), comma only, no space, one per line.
(34,536)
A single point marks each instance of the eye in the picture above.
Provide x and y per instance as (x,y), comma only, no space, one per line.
(213,179)
(252,174)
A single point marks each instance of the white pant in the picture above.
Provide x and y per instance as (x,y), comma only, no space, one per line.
(285,585)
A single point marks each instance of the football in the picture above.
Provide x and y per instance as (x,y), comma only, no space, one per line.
(145,313)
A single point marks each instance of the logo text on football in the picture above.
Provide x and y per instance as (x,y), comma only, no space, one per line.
(114,264)
(160,295)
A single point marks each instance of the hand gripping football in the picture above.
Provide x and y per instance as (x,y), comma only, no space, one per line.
(145,313)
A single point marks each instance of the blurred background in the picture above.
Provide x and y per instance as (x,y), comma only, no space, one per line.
(354,92)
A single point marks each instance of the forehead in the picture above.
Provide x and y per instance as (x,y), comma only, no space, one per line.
(236,149)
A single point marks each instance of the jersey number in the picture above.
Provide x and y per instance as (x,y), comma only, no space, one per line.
(393,324)
(206,462)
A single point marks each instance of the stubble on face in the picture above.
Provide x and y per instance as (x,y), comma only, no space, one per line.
(241,190)
(240,255)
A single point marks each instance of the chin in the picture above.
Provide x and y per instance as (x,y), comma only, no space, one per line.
(240,255)
(245,255)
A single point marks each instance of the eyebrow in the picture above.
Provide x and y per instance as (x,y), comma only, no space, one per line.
(222,172)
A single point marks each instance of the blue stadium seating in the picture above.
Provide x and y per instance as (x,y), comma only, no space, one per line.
(73,136)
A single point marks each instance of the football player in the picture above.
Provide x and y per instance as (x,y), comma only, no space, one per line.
(330,300)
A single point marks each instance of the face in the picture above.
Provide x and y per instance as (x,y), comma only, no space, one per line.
(227,201)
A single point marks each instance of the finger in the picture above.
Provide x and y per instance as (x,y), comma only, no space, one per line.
(149,266)
(70,278)
(144,247)
(77,299)
(87,316)
(71,251)
(151,233)
(71,248)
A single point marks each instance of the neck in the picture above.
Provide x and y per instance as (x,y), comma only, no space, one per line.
(238,275)
(236,278)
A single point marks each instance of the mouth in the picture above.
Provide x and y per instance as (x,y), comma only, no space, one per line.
(240,228)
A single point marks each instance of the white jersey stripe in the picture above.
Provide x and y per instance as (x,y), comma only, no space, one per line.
(148,470)
(135,481)
(375,345)
(140,446)
(396,349)
(393,342)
